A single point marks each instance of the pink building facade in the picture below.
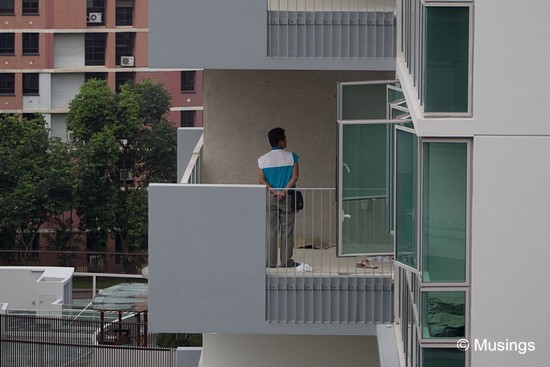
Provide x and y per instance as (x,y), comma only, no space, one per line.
(49,48)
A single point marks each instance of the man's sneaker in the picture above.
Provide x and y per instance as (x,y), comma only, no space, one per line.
(291,264)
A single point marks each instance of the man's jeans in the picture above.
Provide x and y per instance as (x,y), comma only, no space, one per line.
(281,225)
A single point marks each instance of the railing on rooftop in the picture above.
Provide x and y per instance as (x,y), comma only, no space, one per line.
(82,261)
(331,28)
(29,340)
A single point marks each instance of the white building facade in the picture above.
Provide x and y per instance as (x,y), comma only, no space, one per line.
(447,133)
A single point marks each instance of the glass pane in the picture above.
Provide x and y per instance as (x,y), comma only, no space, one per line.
(363,101)
(406,199)
(446,58)
(443,314)
(394,94)
(437,357)
(399,113)
(444,212)
(365,180)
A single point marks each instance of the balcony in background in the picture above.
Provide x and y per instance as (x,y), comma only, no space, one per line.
(335,29)
(274,34)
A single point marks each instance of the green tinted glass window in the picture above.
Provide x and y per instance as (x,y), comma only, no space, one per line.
(443,314)
(366,166)
(447,58)
(406,203)
(363,101)
(444,212)
(438,357)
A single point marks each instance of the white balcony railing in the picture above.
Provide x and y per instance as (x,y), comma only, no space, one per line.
(331,28)
(324,287)
(193,172)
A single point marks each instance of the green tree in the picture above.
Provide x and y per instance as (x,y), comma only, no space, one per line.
(36,179)
(127,146)
(63,239)
(165,340)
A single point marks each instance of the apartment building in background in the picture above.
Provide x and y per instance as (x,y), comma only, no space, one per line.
(48,49)
(423,144)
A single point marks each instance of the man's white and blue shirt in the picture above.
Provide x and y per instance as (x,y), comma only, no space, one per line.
(277,166)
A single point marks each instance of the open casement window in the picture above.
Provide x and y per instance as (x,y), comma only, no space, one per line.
(367,115)
(406,197)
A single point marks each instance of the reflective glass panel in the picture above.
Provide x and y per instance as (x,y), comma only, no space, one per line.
(365,179)
(444,212)
(447,56)
(443,314)
(438,357)
(406,199)
(363,101)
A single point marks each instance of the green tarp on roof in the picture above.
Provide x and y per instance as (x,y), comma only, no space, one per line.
(126,297)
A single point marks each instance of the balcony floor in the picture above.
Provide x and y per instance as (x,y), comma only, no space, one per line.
(325,262)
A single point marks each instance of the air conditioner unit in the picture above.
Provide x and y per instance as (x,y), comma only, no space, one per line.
(70,136)
(126,61)
(126,175)
(94,17)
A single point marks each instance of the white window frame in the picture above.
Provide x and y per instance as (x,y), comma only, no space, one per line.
(341,123)
(421,92)
(444,342)
(468,229)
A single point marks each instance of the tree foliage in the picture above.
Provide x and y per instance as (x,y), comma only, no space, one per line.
(122,142)
(166,340)
(36,179)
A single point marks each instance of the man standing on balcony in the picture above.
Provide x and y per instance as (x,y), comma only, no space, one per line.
(278,171)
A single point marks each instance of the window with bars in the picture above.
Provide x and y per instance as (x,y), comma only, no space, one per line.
(187,81)
(31,43)
(100,76)
(123,78)
(7,83)
(30,7)
(95,6)
(31,116)
(31,84)
(124,45)
(124,12)
(6,7)
(94,49)
(7,43)
(187,119)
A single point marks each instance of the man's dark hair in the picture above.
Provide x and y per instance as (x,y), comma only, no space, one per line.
(276,135)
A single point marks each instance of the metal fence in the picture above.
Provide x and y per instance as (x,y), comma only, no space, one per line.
(82,261)
(29,340)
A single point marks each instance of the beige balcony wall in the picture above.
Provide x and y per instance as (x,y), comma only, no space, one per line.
(240,107)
